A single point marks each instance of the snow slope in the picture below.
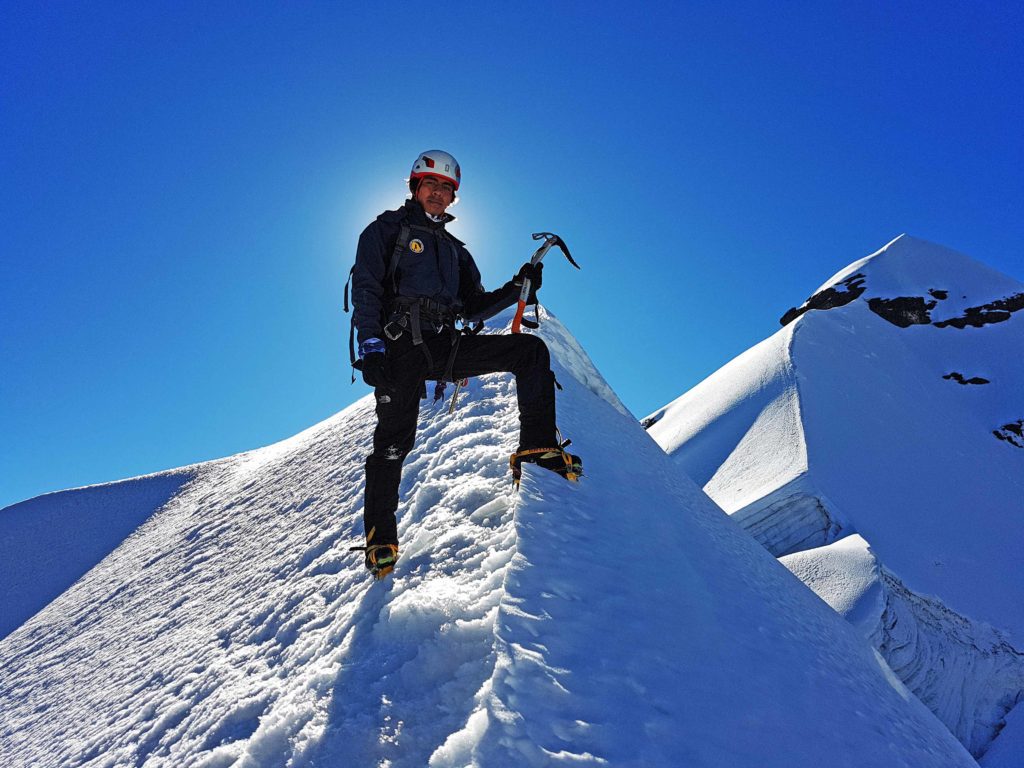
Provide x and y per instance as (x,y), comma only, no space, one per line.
(898,387)
(233,628)
(48,542)
(981,672)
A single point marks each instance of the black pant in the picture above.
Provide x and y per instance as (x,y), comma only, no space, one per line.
(398,409)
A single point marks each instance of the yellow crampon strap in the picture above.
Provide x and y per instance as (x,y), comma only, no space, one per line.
(515,462)
(373,552)
(386,552)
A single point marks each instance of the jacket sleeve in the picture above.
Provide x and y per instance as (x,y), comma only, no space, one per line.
(368,283)
(478,304)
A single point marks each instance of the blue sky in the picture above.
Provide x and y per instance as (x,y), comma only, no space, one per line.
(182,186)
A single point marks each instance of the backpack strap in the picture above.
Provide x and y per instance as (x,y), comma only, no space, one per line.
(396,256)
(351,328)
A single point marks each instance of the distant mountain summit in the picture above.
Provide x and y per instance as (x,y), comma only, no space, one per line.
(914,282)
(890,405)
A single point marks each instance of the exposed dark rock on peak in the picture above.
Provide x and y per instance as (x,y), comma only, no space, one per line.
(903,311)
(650,421)
(1012,433)
(959,378)
(838,295)
(996,311)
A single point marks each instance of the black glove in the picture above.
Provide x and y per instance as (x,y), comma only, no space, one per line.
(375,371)
(535,273)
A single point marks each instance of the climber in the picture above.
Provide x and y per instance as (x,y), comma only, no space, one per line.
(412,281)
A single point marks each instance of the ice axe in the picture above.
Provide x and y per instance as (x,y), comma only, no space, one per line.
(549,239)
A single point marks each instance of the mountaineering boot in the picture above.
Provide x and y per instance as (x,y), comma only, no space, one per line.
(380,559)
(558,460)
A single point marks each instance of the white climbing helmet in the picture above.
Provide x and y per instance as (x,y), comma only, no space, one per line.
(436,162)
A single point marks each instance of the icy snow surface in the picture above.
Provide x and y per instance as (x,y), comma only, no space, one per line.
(48,542)
(233,627)
(967,673)
(894,448)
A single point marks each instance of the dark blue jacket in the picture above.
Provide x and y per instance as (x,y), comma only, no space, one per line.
(433,264)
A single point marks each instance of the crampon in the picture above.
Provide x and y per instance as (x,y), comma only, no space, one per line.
(556,459)
(379,559)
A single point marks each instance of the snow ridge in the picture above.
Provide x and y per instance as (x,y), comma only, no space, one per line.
(234,627)
(48,542)
(753,396)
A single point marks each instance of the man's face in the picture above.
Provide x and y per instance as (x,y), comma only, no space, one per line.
(435,194)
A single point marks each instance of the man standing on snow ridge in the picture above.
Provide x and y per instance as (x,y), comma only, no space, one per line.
(412,280)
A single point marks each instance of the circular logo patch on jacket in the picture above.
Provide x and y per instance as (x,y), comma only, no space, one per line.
(416,246)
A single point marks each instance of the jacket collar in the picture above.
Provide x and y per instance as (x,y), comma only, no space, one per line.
(418,216)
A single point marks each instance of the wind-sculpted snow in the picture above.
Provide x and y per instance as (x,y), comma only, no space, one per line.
(750,401)
(894,449)
(48,542)
(235,628)
(969,674)
(622,621)
(793,518)
(752,397)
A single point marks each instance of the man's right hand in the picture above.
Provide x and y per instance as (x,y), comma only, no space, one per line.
(375,371)
(535,272)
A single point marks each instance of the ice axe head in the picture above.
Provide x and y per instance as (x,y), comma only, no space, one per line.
(550,239)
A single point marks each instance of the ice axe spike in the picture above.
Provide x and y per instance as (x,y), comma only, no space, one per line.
(549,239)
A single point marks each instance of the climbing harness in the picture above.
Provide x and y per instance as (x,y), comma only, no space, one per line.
(414,315)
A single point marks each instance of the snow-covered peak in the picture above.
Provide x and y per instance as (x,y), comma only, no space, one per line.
(911,266)
(898,389)
(913,281)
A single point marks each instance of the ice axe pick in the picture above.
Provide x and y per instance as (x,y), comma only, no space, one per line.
(549,239)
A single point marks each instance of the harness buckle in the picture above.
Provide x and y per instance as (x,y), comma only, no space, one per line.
(396,327)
